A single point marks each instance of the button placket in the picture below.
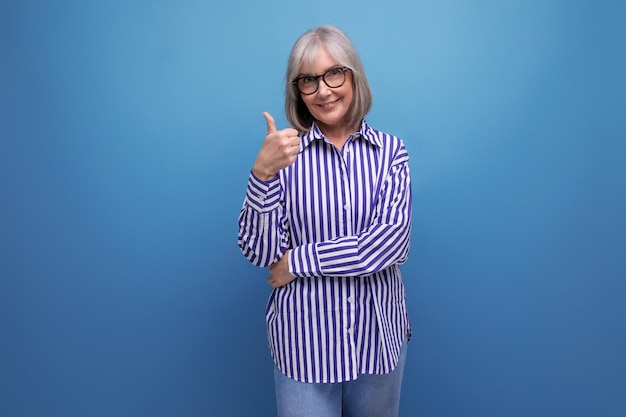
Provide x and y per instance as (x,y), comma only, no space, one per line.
(347,207)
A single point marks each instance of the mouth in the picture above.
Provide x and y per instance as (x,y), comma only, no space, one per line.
(329,105)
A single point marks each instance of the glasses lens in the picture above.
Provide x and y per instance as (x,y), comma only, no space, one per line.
(307,85)
(335,77)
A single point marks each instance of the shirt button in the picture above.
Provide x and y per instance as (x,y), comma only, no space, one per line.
(350,330)
(351,299)
(346,207)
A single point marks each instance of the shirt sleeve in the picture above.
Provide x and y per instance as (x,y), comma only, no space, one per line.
(383,243)
(263,233)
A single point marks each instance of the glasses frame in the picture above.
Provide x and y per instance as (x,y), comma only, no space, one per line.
(323,77)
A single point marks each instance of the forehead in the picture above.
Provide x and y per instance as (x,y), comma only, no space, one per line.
(317,60)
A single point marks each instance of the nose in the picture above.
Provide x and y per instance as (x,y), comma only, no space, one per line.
(322,89)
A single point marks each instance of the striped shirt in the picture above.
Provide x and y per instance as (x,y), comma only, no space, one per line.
(346,215)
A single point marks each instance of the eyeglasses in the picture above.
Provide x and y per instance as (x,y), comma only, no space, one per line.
(333,78)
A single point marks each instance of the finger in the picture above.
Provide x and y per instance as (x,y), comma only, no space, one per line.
(294,145)
(269,121)
(291,132)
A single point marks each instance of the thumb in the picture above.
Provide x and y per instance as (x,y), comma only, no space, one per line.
(271,124)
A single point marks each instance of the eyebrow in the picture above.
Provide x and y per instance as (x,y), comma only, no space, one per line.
(315,75)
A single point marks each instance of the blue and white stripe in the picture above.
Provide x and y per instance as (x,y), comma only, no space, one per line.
(346,215)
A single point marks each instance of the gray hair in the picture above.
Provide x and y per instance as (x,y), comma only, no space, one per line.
(303,55)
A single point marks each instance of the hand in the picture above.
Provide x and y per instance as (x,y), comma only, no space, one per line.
(279,150)
(279,272)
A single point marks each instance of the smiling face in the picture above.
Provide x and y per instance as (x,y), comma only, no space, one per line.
(329,106)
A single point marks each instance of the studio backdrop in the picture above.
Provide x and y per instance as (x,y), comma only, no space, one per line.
(127,133)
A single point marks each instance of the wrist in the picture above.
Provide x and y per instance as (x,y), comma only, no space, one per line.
(263,175)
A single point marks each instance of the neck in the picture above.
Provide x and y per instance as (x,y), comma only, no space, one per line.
(337,135)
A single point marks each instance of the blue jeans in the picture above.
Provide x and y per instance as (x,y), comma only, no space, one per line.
(367,396)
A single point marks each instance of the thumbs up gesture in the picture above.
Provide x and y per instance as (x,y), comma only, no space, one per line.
(279,150)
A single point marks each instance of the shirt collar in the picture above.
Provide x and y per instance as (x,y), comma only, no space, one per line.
(365,131)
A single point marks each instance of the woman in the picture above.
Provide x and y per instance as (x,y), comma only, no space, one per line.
(328,209)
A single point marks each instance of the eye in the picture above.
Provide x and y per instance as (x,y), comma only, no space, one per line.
(335,71)
(308,80)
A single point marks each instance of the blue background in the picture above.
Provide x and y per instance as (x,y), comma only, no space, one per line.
(128,129)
